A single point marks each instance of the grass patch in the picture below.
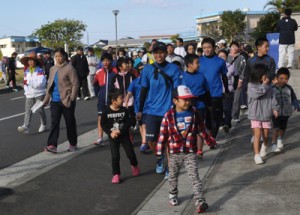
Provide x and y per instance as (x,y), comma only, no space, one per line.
(19,77)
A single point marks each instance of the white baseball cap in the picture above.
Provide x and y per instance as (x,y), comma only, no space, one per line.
(222,41)
(183,92)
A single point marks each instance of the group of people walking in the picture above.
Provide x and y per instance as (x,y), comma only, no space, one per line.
(179,98)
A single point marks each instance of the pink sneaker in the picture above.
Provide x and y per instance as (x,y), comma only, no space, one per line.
(135,170)
(115,179)
(51,148)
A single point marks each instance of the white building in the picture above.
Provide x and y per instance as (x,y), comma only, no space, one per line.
(18,44)
(252,18)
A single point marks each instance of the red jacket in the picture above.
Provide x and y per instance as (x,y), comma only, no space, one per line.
(170,136)
(100,77)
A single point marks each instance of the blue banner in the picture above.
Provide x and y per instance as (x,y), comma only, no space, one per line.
(274,46)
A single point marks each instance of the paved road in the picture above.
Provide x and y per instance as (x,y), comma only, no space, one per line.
(237,186)
(15,146)
(80,184)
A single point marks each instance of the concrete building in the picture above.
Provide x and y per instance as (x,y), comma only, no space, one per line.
(296,16)
(19,44)
(252,17)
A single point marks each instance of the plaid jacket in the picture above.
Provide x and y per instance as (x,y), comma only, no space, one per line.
(176,143)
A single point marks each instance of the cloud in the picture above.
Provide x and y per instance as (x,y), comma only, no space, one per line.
(155,3)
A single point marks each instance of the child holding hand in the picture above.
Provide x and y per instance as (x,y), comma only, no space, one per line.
(262,105)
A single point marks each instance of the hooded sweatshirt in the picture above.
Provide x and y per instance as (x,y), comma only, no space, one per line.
(261,102)
(122,81)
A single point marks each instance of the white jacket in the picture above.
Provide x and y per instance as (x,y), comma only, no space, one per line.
(34,83)
(94,60)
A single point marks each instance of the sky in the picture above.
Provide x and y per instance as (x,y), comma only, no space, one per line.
(136,17)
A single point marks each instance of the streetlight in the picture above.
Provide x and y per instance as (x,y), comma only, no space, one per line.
(116,12)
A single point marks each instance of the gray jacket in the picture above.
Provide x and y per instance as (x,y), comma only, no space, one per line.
(286,99)
(261,102)
(239,63)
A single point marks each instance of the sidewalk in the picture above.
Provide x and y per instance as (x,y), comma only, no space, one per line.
(158,202)
(234,184)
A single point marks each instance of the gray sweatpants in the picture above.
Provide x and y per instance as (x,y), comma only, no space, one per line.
(29,102)
(191,164)
(237,103)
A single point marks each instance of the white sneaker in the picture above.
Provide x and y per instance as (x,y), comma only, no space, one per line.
(86,98)
(42,128)
(243,107)
(23,129)
(173,199)
(263,151)
(78,98)
(258,160)
(99,142)
(275,148)
(279,143)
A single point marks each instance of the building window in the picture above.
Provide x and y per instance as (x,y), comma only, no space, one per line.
(31,44)
(2,46)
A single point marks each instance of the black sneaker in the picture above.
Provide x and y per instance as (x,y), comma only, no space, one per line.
(213,147)
(226,129)
(202,206)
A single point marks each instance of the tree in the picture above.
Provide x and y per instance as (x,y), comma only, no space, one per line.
(280,5)
(275,6)
(211,30)
(266,24)
(292,4)
(146,45)
(174,38)
(232,24)
(61,31)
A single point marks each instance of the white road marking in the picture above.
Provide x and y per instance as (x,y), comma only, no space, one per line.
(16,115)
(28,169)
(21,97)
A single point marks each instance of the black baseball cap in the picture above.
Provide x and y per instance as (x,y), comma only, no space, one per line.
(159,46)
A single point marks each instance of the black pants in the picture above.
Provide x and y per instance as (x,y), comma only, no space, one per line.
(244,96)
(11,78)
(227,109)
(57,109)
(214,115)
(84,84)
(115,152)
(132,116)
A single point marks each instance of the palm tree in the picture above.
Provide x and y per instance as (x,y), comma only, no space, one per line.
(293,4)
(275,6)
(280,5)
